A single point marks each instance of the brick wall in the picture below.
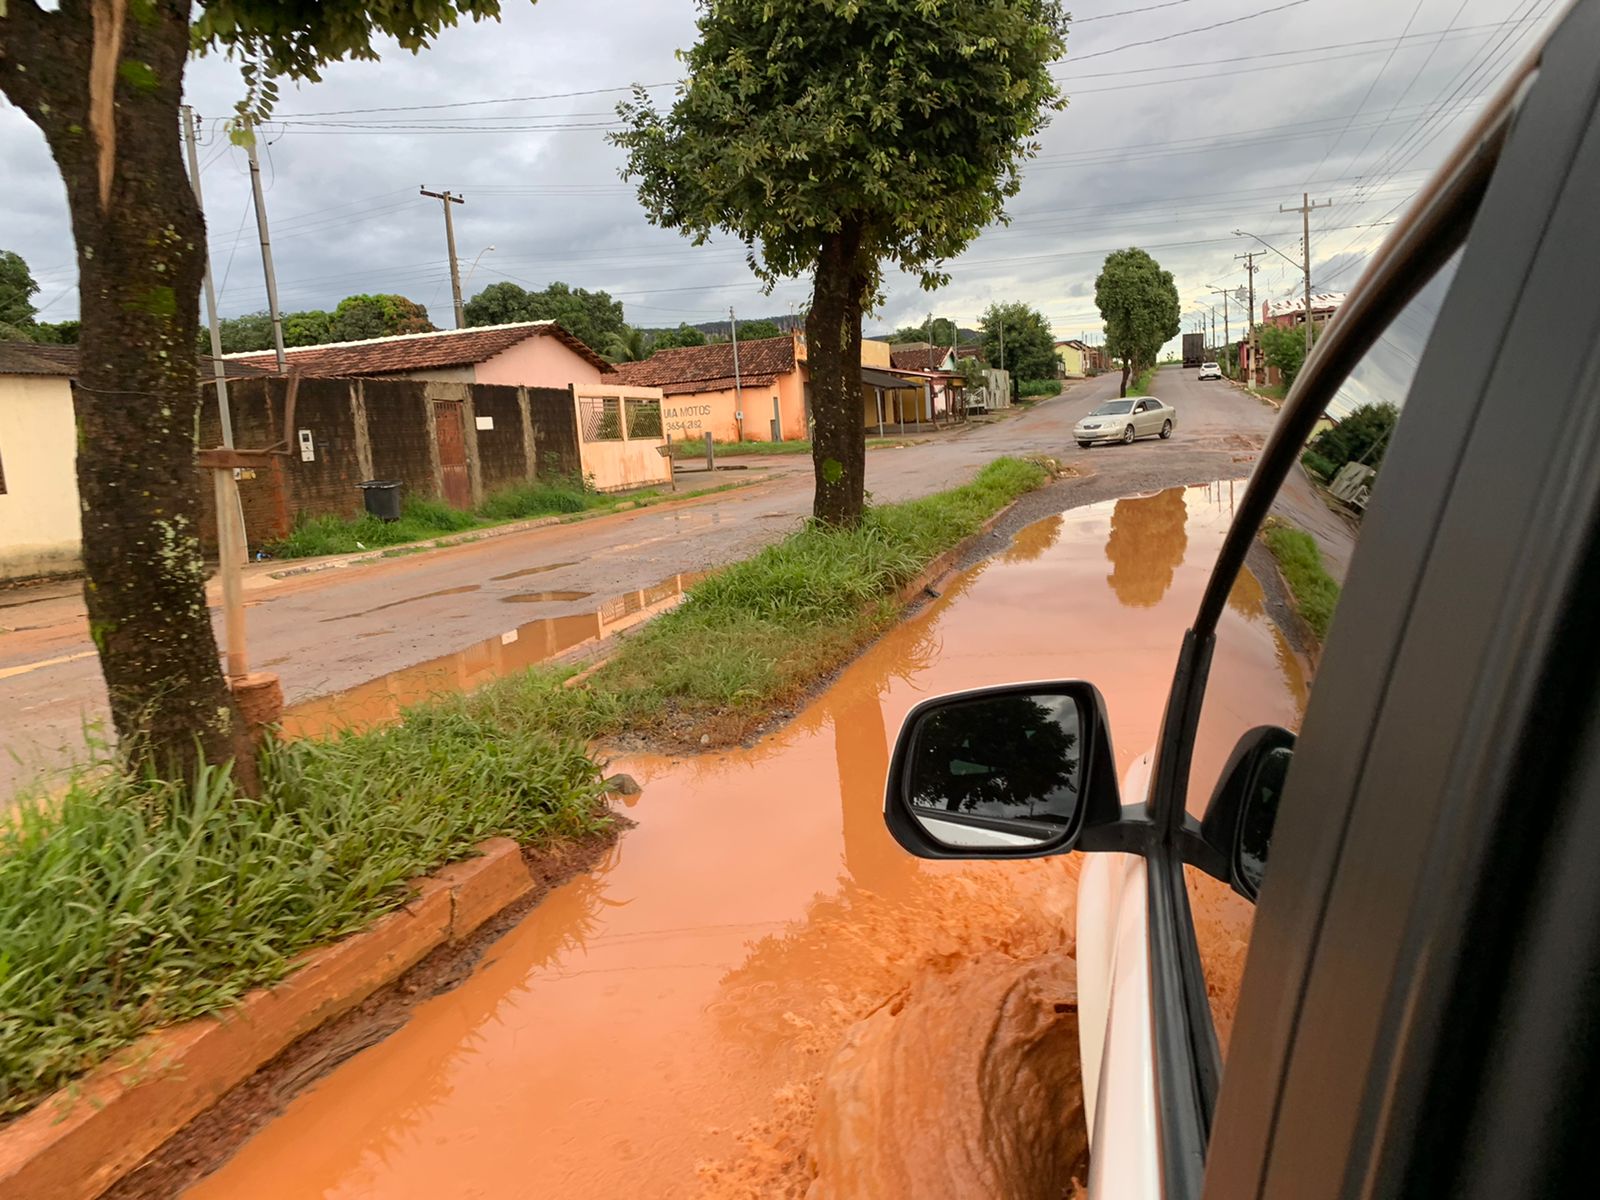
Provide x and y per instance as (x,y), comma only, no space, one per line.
(555,433)
(398,444)
(400,426)
(502,455)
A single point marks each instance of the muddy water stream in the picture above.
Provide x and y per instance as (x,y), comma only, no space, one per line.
(656,1027)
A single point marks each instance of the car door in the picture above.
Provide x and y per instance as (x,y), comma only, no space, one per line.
(1142,416)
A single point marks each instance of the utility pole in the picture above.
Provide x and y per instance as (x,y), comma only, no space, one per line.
(1304,209)
(738,393)
(1227,336)
(218,371)
(1250,328)
(446,199)
(266,247)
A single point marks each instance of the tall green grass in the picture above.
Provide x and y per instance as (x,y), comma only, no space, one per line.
(1316,593)
(127,904)
(763,630)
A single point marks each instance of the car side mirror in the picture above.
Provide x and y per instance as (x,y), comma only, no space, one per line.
(1006,772)
(1239,820)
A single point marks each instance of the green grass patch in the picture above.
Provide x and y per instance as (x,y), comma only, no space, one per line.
(127,904)
(1032,389)
(1141,385)
(762,631)
(1316,593)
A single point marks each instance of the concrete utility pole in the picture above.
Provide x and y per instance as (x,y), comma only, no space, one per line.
(738,392)
(1250,329)
(218,371)
(1227,337)
(1304,209)
(266,248)
(446,199)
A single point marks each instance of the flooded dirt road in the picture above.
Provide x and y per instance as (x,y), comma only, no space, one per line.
(658,1027)
(330,631)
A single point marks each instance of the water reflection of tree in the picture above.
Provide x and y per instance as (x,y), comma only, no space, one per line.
(1146,546)
(1033,540)
(986,757)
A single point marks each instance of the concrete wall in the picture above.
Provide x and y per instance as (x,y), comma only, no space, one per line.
(555,433)
(538,362)
(502,448)
(40,530)
(622,463)
(689,416)
(400,429)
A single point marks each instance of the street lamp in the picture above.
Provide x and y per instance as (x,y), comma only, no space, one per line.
(474,266)
(1242,233)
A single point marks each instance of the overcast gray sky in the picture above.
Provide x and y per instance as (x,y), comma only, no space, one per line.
(1175,135)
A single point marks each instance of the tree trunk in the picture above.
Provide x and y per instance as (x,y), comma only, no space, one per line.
(103,80)
(833,357)
(1127,369)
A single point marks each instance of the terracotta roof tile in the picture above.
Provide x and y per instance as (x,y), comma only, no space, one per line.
(724,384)
(418,351)
(922,358)
(711,365)
(30,358)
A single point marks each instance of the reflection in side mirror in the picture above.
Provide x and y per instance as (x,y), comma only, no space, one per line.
(1241,816)
(995,773)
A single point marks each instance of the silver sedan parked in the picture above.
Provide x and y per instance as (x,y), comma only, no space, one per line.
(1125,420)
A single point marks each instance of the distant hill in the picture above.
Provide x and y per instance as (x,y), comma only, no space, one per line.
(720,328)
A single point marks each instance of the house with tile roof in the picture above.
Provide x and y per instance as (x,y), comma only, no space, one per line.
(521,354)
(941,383)
(700,393)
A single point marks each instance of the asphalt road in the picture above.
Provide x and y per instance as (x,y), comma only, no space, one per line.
(328,631)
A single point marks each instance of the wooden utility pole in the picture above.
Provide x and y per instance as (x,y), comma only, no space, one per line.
(266,248)
(1304,209)
(446,199)
(1227,337)
(218,371)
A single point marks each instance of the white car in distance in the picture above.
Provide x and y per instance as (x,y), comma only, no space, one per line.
(1210,370)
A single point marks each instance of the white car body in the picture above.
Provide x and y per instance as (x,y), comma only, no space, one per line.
(1114,1032)
(1210,370)
(1147,416)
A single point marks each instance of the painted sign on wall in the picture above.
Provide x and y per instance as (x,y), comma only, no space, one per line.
(685,419)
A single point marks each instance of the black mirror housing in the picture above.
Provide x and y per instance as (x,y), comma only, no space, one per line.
(1015,771)
(1237,830)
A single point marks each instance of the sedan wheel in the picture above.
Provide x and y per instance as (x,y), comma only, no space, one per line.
(1127,436)
(1084,445)
(1166,429)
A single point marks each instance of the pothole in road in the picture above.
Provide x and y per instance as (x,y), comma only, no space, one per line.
(531,571)
(544,597)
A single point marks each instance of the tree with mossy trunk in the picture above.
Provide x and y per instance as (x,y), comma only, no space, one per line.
(837,137)
(103,79)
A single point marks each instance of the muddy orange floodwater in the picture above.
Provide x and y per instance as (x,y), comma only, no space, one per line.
(656,1028)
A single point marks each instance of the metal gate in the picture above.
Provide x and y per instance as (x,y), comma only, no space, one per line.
(453,478)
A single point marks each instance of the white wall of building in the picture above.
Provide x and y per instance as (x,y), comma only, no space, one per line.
(40,529)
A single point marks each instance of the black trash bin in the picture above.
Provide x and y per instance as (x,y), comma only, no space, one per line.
(382,498)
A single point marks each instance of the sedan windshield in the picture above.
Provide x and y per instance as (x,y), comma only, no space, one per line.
(1115,408)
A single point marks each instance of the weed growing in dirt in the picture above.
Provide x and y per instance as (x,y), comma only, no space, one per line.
(1316,593)
(127,904)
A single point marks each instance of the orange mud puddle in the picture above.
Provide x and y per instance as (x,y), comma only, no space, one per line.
(658,1028)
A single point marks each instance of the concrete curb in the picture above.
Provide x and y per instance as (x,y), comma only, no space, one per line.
(77,1143)
(468,536)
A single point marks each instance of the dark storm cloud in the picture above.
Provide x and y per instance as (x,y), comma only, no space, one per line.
(1161,146)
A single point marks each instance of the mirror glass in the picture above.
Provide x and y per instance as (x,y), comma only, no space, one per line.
(1258,817)
(996,770)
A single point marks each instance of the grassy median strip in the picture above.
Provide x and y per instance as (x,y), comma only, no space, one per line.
(127,904)
(1316,593)
(691,449)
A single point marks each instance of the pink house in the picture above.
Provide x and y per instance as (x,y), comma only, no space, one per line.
(524,354)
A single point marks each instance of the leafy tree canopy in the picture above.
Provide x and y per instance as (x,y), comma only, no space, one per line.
(749,331)
(593,317)
(1284,349)
(1362,436)
(943,330)
(359,317)
(1139,303)
(683,335)
(1030,345)
(17,290)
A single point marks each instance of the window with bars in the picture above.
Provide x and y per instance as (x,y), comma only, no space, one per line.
(600,418)
(644,418)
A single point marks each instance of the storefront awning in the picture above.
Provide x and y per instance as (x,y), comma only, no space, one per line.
(873,377)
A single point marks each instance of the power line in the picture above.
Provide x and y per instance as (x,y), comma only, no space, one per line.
(1187,32)
(1128,12)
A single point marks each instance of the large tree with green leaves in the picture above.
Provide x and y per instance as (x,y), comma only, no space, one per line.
(836,138)
(1139,303)
(102,79)
(592,317)
(17,290)
(1029,345)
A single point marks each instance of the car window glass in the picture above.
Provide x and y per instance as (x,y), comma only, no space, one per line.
(1279,611)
